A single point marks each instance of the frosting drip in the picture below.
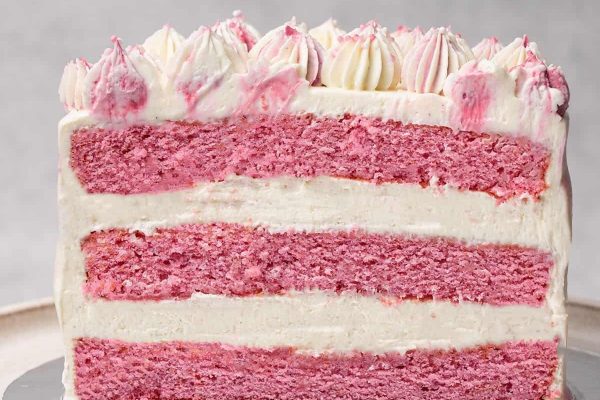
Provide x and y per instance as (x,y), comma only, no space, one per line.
(365,59)
(327,33)
(487,48)
(438,54)
(114,87)
(288,45)
(515,53)
(70,90)
(163,44)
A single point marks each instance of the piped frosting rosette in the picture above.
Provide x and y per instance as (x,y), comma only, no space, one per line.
(406,38)
(118,86)
(71,88)
(201,64)
(235,31)
(515,53)
(438,54)
(487,48)
(327,33)
(366,58)
(163,44)
(288,45)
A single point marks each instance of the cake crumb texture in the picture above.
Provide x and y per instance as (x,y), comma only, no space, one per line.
(176,155)
(108,369)
(236,260)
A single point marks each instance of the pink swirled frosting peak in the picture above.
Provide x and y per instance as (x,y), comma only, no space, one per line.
(538,84)
(204,75)
(202,63)
(290,45)
(115,88)
(515,53)
(438,54)
(487,48)
(236,31)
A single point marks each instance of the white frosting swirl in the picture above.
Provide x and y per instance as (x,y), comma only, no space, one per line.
(406,38)
(327,33)
(515,53)
(70,90)
(487,48)
(288,45)
(438,54)
(365,59)
(203,60)
(237,33)
(163,44)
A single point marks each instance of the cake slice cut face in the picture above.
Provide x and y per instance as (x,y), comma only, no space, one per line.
(357,215)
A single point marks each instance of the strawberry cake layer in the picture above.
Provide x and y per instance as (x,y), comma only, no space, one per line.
(175,155)
(235,260)
(110,369)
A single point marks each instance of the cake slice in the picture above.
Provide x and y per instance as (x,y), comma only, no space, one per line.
(323,215)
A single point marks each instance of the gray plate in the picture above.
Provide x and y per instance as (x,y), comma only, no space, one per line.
(583,376)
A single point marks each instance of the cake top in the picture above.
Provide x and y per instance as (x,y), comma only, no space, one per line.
(171,72)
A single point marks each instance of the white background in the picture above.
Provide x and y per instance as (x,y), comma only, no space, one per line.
(39,37)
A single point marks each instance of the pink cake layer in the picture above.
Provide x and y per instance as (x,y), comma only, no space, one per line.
(175,155)
(236,260)
(108,369)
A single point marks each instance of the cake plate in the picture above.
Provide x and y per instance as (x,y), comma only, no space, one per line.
(31,354)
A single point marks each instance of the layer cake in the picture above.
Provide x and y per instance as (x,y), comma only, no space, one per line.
(313,214)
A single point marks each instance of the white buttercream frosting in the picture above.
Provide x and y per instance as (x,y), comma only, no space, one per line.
(289,45)
(533,86)
(407,38)
(327,33)
(515,53)
(163,44)
(216,64)
(114,87)
(438,54)
(202,63)
(236,31)
(70,90)
(366,58)
(487,48)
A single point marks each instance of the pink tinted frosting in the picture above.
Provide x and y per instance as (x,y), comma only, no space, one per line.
(108,369)
(175,155)
(268,92)
(557,80)
(533,82)
(244,33)
(487,48)
(472,91)
(288,45)
(233,260)
(116,89)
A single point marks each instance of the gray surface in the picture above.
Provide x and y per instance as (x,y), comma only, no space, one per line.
(44,382)
(39,37)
